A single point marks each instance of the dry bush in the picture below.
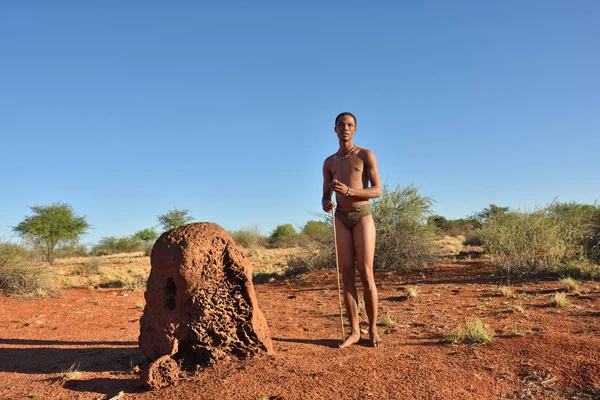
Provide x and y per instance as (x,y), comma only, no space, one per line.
(18,276)
(404,238)
(248,237)
(522,243)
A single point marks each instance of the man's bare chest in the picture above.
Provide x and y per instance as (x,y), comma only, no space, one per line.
(350,168)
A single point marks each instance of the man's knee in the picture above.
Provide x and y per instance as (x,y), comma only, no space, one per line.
(348,272)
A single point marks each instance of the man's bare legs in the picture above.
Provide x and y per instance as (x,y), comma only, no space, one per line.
(346,262)
(359,243)
(364,247)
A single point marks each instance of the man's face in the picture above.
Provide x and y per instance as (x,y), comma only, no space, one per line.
(345,128)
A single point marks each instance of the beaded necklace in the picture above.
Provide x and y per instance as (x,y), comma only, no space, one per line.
(348,152)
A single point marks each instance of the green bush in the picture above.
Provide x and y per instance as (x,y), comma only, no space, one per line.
(248,237)
(527,242)
(11,253)
(112,245)
(317,230)
(284,236)
(404,238)
(580,224)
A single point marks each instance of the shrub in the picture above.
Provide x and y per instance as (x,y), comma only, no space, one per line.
(17,277)
(11,253)
(581,224)
(404,239)
(317,230)
(521,242)
(91,266)
(248,237)
(283,236)
(72,250)
(473,238)
(22,279)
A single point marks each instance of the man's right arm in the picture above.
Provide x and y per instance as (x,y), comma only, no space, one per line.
(326,202)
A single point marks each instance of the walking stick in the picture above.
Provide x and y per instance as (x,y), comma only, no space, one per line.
(337,268)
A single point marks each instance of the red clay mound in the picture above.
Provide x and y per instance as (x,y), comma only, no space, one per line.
(200,302)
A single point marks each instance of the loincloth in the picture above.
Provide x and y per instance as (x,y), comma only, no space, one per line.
(351,216)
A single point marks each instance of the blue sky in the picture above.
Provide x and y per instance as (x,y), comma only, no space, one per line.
(128,109)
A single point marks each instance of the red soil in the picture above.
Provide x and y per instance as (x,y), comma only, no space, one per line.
(539,351)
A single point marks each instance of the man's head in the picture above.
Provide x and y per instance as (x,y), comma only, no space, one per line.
(345,126)
(345,114)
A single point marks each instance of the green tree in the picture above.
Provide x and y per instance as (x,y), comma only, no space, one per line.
(52,226)
(146,235)
(490,213)
(174,218)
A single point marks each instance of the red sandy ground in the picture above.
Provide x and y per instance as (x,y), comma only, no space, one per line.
(539,351)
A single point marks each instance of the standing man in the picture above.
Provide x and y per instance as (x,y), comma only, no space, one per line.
(348,173)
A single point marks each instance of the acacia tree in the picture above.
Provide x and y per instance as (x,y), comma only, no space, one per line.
(174,218)
(146,235)
(52,226)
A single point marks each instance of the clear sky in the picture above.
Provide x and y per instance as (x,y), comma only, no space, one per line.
(126,109)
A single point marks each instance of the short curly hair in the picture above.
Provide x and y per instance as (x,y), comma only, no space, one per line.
(342,115)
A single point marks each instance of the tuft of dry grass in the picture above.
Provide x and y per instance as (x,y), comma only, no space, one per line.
(387,321)
(473,332)
(559,299)
(506,291)
(412,291)
(72,372)
(570,284)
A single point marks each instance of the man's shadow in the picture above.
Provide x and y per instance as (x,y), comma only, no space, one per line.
(331,343)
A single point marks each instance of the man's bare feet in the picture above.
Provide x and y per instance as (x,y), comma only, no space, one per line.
(375,339)
(350,340)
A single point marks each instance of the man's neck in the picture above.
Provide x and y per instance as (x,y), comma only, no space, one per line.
(345,146)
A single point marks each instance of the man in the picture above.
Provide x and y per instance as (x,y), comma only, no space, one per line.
(348,173)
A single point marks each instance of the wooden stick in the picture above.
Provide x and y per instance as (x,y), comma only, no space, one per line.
(337,268)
